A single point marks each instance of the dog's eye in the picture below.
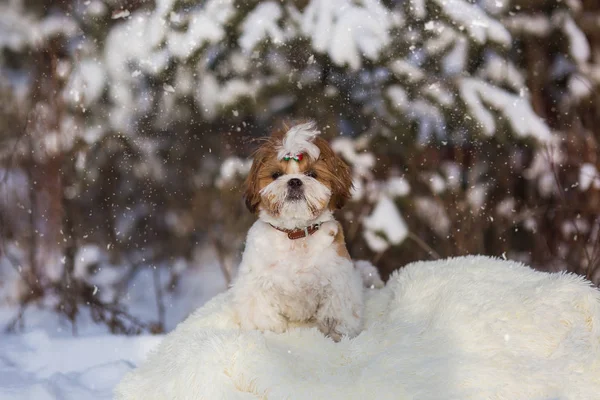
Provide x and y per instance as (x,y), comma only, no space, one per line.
(276,175)
(311,173)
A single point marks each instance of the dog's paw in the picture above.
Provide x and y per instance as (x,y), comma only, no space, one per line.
(274,324)
(325,236)
(328,326)
(264,324)
(262,319)
(330,228)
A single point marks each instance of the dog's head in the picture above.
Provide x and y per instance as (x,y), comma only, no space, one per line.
(296,175)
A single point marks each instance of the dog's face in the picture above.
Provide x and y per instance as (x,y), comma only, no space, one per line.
(296,175)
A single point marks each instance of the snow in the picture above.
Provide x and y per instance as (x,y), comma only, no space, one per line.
(453,174)
(121,14)
(476,197)
(86,256)
(168,88)
(14,33)
(406,70)
(126,45)
(543,166)
(213,97)
(593,72)
(95,8)
(37,366)
(398,96)
(455,61)
(260,24)
(384,226)
(495,6)
(397,186)
(202,28)
(528,24)
(18,29)
(433,214)
(52,26)
(430,118)
(86,83)
(574,5)
(431,121)
(437,184)
(503,72)
(14,184)
(478,24)
(516,109)
(198,281)
(46,362)
(362,162)
(575,227)
(440,42)
(53,141)
(506,208)
(579,48)
(347,30)
(579,86)
(438,93)
(232,168)
(418,8)
(146,42)
(588,177)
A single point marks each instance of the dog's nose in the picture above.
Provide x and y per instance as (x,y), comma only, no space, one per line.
(294,183)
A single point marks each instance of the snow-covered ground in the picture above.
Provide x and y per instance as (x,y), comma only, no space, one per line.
(37,366)
(45,361)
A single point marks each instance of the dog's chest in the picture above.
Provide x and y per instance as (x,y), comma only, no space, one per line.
(300,260)
(295,255)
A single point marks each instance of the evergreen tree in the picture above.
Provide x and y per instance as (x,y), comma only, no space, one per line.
(470,128)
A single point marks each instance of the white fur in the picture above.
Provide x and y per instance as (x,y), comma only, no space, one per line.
(299,139)
(464,328)
(282,280)
(369,273)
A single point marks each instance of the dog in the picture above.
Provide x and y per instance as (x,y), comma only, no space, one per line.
(295,266)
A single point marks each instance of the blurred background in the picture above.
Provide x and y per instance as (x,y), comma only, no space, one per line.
(126,127)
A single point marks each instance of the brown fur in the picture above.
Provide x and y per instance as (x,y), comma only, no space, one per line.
(331,170)
(334,173)
(340,243)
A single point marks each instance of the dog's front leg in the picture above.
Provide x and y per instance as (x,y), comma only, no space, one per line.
(340,312)
(258,310)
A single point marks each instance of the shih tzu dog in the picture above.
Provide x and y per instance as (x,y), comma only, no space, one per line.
(295,267)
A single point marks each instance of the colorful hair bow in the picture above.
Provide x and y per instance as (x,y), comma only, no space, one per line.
(297,157)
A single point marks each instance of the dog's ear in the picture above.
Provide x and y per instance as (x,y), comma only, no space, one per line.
(251,185)
(342,188)
(260,157)
(338,175)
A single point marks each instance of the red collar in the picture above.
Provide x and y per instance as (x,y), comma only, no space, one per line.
(294,234)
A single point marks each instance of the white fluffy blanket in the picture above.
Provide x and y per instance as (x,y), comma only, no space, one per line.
(463,328)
